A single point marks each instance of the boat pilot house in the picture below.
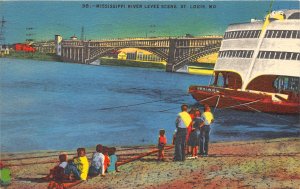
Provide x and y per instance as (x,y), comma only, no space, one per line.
(258,66)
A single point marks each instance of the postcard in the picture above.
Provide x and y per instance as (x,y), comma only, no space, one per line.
(149,94)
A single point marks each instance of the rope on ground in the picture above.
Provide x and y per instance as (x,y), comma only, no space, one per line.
(142,155)
(153,150)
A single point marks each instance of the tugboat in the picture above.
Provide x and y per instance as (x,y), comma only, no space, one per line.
(258,66)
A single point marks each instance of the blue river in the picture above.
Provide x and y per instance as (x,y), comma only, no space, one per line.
(59,106)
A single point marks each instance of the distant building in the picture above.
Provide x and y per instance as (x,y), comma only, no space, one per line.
(147,57)
(58,40)
(44,46)
(131,55)
(4,50)
(122,56)
(20,47)
(73,37)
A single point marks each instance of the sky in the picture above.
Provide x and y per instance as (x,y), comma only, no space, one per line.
(41,20)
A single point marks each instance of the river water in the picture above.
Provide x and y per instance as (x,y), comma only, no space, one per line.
(58,106)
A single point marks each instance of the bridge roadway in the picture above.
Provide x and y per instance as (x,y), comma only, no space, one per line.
(177,52)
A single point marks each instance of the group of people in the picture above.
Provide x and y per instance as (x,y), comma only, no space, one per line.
(103,160)
(192,130)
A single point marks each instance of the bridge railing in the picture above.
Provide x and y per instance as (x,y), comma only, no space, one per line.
(72,43)
(180,43)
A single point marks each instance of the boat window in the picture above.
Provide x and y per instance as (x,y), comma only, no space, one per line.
(246,34)
(259,32)
(298,56)
(277,55)
(273,34)
(256,34)
(298,34)
(262,55)
(272,55)
(233,35)
(289,34)
(268,33)
(294,56)
(285,83)
(295,15)
(259,54)
(282,56)
(240,34)
(294,34)
(253,34)
(288,55)
(280,33)
(269,54)
(250,54)
(236,34)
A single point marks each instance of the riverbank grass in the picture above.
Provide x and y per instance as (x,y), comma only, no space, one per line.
(34,56)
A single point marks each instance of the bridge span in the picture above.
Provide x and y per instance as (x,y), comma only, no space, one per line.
(177,52)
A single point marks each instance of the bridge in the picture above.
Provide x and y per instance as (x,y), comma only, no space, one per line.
(177,52)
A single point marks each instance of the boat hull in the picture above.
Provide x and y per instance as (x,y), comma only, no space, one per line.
(223,98)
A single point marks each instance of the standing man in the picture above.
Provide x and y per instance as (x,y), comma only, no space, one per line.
(182,122)
(208,119)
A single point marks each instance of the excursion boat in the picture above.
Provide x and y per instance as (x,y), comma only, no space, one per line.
(258,66)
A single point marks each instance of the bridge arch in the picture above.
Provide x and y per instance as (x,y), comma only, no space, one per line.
(177,52)
(98,52)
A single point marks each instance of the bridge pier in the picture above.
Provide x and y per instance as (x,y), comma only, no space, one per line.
(171,55)
(169,67)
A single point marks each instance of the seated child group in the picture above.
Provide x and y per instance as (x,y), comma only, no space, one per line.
(103,160)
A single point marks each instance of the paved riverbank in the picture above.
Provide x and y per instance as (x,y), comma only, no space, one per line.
(251,164)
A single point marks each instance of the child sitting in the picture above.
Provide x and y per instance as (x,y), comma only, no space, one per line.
(79,166)
(106,159)
(5,175)
(97,162)
(58,172)
(162,141)
(113,160)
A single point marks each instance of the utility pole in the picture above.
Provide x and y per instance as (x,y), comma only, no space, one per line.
(29,34)
(2,30)
(82,33)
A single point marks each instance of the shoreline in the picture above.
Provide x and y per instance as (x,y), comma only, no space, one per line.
(200,68)
(91,148)
(249,164)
